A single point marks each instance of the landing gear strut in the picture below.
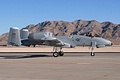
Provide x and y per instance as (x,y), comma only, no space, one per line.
(57,52)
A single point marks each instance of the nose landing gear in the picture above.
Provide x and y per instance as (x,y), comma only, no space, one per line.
(92,54)
(93,45)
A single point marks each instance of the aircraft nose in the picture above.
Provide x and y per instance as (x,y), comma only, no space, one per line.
(110,43)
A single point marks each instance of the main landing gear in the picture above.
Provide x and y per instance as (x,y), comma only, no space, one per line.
(57,52)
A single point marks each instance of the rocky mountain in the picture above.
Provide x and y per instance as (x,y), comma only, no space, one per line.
(106,30)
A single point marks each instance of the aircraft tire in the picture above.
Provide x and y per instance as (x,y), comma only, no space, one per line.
(55,54)
(61,53)
(92,54)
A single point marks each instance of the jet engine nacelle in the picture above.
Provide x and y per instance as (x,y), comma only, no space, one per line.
(39,35)
(24,34)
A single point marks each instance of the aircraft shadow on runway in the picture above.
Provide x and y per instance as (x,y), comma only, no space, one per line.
(23,56)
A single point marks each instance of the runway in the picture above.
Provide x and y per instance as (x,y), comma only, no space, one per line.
(72,66)
(12,55)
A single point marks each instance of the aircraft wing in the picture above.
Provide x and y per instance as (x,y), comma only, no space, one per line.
(59,41)
(51,40)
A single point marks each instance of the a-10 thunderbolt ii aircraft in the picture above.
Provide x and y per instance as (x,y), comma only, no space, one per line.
(58,42)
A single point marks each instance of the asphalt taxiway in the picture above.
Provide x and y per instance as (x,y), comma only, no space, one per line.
(72,66)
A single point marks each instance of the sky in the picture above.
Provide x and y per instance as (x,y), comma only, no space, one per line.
(21,13)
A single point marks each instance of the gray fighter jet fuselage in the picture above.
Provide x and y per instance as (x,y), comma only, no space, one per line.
(74,40)
(66,41)
(47,38)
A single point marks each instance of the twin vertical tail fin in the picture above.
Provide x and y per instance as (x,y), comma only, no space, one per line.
(14,37)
